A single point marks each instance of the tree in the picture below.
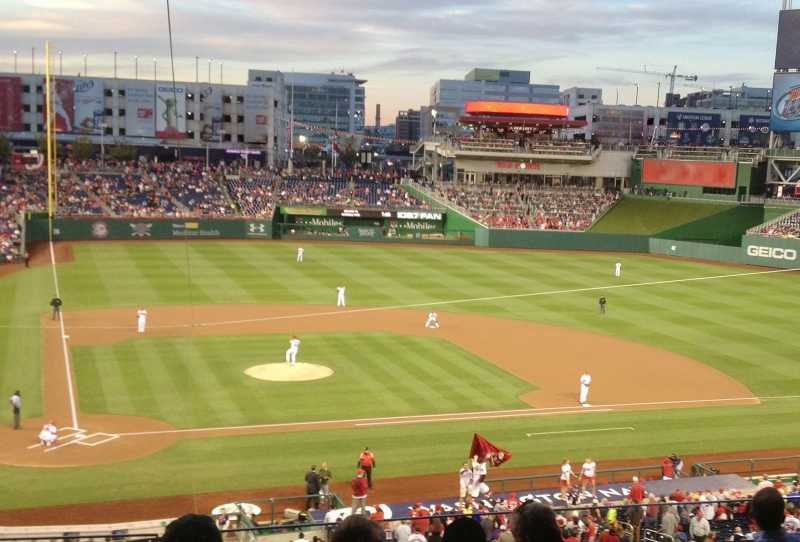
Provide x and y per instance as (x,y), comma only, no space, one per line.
(82,149)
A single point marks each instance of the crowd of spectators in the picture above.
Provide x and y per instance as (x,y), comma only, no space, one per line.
(788,226)
(181,189)
(527,206)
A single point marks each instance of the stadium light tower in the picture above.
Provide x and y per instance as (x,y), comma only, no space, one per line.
(15,61)
(60,62)
(136,67)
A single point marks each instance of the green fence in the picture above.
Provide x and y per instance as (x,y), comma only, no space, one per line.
(74,229)
(754,250)
(560,240)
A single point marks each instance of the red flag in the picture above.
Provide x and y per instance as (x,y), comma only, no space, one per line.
(484,449)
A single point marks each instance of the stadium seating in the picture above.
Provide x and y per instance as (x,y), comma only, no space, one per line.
(520,206)
(788,226)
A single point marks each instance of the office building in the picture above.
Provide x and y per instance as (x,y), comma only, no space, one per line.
(407,125)
(575,96)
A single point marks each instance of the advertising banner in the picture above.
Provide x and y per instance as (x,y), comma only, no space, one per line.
(693,128)
(63,105)
(140,118)
(170,111)
(754,130)
(88,105)
(785,103)
(689,173)
(10,103)
(257,101)
(211,108)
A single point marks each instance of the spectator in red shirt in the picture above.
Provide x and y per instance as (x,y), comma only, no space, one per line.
(677,496)
(359,487)
(636,491)
(419,513)
(609,535)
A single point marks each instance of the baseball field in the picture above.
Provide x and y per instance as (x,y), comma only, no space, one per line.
(690,357)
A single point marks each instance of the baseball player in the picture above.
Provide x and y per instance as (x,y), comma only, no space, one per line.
(300,252)
(291,354)
(48,435)
(340,296)
(589,475)
(478,486)
(586,380)
(618,269)
(602,303)
(141,318)
(433,320)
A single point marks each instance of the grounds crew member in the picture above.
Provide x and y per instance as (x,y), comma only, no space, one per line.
(56,304)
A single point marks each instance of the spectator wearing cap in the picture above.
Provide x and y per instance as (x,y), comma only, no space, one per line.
(768,511)
(359,487)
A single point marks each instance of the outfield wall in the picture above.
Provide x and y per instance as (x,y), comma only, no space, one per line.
(88,229)
(560,240)
(755,250)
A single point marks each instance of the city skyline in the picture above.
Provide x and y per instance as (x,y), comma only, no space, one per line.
(402,49)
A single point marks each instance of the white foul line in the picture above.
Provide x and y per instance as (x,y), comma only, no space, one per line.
(580,431)
(73,410)
(491,417)
(450,416)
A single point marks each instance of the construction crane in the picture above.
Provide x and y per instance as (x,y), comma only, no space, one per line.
(669,75)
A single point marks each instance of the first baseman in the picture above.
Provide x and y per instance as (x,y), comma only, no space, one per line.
(291,353)
(586,380)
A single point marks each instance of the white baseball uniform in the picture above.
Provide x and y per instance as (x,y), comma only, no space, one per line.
(586,380)
(478,487)
(47,436)
(464,482)
(141,316)
(340,296)
(617,269)
(433,320)
(291,354)
(300,253)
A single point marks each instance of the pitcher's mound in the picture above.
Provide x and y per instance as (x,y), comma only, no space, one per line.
(283,372)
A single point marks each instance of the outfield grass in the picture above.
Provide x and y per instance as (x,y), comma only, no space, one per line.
(745,326)
(200,381)
(651,216)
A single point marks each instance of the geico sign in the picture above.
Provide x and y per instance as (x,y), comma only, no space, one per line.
(772,252)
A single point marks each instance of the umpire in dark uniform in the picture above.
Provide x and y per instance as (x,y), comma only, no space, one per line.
(56,304)
(602,303)
(16,407)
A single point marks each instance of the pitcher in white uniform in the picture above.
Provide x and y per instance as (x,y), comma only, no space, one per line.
(300,253)
(618,269)
(291,354)
(586,380)
(340,296)
(141,319)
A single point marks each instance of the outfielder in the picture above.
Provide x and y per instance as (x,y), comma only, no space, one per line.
(433,320)
(618,269)
(141,317)
(340,296)
(300,252)
(586,380)
(291,354)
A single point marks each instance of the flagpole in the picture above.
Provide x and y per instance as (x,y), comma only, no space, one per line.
(48,134)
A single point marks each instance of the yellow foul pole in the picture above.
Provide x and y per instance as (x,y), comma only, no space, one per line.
(49,134)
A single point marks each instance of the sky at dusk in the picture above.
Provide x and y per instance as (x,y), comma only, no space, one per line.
(403,46)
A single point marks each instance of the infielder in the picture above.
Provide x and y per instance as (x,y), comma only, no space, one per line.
(340,296)
(300,252)
(141,318)
(586,380)
(618,269)
(291,354)
(433,320)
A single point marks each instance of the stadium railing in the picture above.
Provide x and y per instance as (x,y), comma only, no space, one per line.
(749,467)
(528,482)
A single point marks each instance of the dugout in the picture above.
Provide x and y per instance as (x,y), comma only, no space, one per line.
(363,224)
